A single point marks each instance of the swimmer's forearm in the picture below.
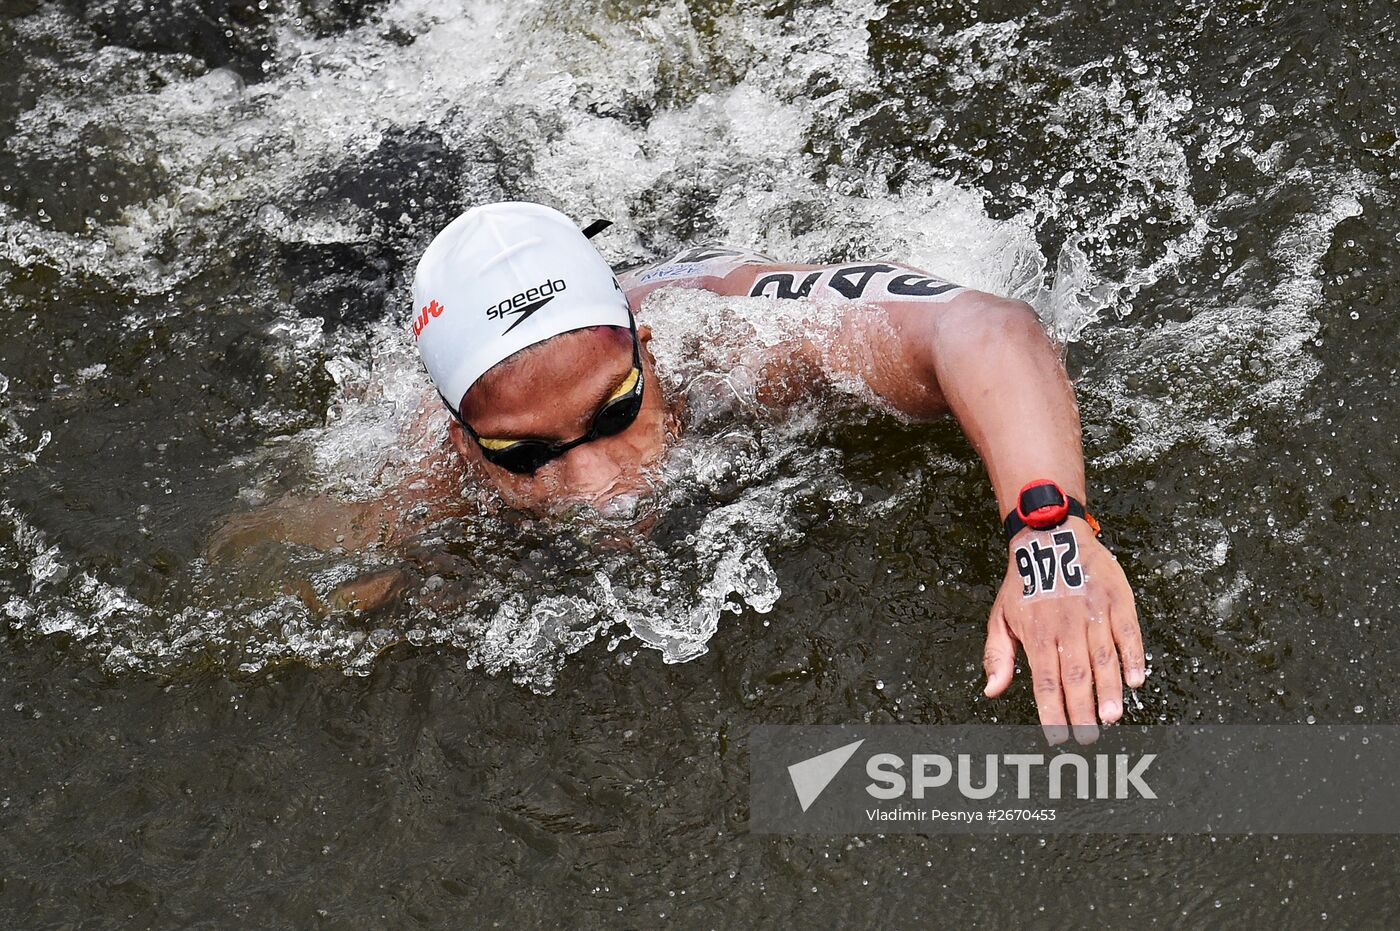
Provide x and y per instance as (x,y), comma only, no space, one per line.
(1002,378)
(322,523)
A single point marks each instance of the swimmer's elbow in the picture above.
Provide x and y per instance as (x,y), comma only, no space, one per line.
(1001,311)
(983,326)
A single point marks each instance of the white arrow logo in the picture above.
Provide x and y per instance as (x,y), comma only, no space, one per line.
(811,776)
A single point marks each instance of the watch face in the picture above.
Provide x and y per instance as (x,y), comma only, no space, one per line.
(1043,505)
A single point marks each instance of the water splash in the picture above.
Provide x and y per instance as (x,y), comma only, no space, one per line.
(679,125)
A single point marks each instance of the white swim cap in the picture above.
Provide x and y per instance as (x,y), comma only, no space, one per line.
(502,277)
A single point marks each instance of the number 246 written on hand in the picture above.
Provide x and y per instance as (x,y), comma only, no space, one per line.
(1044,569)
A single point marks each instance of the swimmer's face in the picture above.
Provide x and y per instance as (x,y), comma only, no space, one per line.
(553,393)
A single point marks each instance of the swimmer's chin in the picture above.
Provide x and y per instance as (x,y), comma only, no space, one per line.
(621,517)
(635,514)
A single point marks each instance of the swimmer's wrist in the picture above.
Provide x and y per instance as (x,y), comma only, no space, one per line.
(1042,504)
(1082,525)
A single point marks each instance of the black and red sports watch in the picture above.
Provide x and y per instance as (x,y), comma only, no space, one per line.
(1042,504)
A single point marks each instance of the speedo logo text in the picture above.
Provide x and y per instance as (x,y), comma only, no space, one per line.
(526,302)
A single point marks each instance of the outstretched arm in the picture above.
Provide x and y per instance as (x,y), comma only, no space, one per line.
(429,493)
(1002,379)
(989,362)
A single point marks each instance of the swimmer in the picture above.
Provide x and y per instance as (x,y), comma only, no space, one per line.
(535,347)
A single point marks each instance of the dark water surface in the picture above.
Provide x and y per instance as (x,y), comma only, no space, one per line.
(208,213)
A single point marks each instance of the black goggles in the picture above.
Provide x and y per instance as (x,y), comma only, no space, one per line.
(525,457)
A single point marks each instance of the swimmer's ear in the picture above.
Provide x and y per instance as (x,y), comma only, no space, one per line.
(643,333)
(458,437)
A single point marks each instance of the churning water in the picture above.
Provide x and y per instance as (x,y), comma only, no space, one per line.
(208,220)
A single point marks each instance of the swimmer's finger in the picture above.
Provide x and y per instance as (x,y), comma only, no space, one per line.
(999,655)
(1049,698)
(1077,677)
(1103,655)
(1128,636)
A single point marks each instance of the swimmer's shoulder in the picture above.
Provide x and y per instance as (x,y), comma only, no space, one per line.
(883,282)
(737,271)
(706,265)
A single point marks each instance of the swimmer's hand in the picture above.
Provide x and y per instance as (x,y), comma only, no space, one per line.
(1082,643)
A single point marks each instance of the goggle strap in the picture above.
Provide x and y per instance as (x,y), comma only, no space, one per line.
(596,227)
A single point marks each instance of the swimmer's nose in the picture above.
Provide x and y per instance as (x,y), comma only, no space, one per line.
(593,474)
